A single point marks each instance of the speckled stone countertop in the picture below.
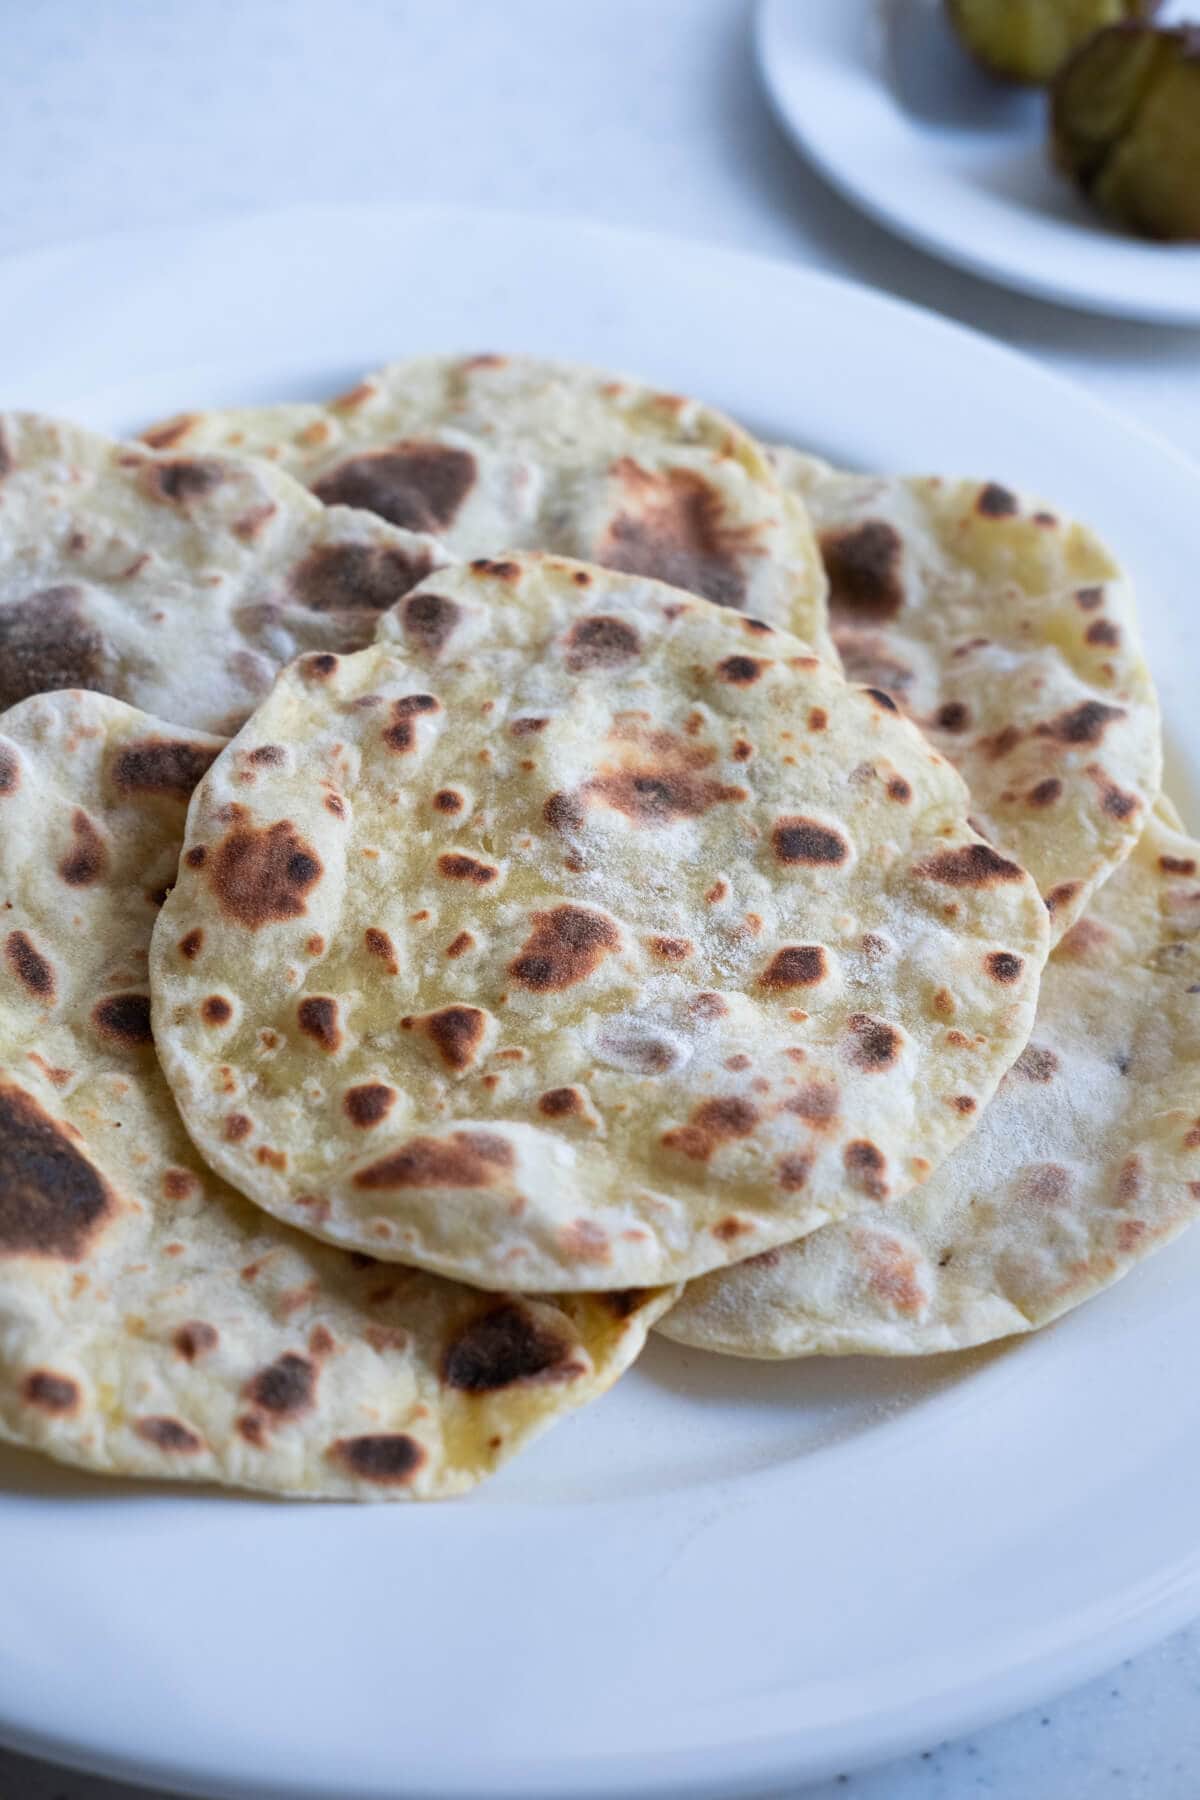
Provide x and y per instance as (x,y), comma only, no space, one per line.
(126,113)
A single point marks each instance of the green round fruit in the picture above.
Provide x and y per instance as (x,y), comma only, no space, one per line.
(1029,40)
(1125,126)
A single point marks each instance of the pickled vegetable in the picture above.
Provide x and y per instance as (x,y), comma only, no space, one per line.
(1125,125)
(1029,40)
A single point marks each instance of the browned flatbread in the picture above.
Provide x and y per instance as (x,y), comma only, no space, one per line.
(515,452)
(152,1322)
(1087,1160)
(1009,633)
(652,940)
(178,583)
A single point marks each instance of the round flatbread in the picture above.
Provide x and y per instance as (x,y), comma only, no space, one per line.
(152,1322)
(657,942)
(511,452)
(1008,632)
(1087,1160)
(177,583)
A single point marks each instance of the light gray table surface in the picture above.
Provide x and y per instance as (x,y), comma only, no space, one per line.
(128,113)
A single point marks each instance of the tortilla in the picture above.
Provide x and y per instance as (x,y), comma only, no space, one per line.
(1086,1162)
(1008,632)
(509,452)
(177,583)
(152,1322)
(658,943)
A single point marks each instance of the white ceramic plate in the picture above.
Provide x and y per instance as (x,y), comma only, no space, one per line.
(726,1576)
(884,101)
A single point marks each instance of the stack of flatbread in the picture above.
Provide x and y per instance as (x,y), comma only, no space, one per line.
(498,862)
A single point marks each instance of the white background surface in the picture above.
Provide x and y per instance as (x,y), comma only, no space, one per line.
(642,112)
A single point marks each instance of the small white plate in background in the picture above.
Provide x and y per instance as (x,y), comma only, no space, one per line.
(884,101)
